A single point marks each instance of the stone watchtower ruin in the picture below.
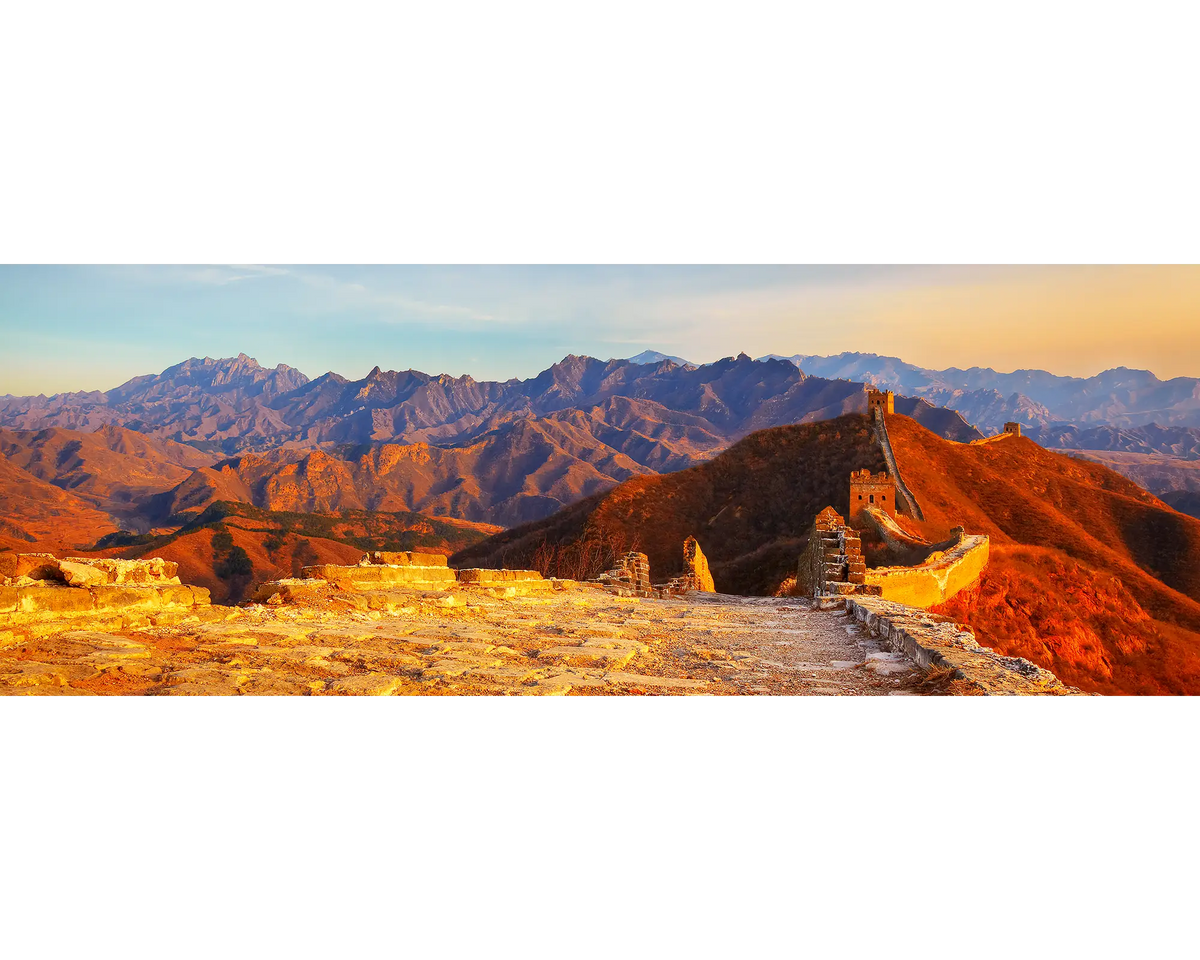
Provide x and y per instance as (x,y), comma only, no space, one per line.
(1013,428)
(868,489)
(883,400)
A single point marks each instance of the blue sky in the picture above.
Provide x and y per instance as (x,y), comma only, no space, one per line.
(93,327)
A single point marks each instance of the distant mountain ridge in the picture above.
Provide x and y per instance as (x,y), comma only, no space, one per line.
(508,452)
(497,452)
(1121,397)
(234,405)
(653,356)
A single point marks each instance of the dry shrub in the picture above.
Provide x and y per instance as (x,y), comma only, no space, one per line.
(937,681)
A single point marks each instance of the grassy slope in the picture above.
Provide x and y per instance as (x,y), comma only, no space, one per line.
(1091,576)
(54,518)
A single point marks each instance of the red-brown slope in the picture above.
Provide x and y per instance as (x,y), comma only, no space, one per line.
(1091,544)
(510,476)
(53,518)
(1019,492)
(114,469)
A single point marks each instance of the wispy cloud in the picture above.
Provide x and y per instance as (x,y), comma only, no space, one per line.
(209,275)
(254,271)
(382,305)
(354,294)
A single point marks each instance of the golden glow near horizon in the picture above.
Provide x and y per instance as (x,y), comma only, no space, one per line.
(1073,321)
(92,328)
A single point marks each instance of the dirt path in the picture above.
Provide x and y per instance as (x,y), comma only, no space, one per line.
(784,647)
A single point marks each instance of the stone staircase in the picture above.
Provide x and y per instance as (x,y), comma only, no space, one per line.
(833,563)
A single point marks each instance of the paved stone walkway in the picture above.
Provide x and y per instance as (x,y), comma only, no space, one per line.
(579,641)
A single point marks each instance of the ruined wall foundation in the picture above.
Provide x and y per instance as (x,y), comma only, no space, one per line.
(935,642)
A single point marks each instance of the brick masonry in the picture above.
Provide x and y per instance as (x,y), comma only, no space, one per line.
(832,564)
(934,642)
(631,576)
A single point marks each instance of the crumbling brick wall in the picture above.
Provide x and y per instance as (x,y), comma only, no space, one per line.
(631,575)
(832,563)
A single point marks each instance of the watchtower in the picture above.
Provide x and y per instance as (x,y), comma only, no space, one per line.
(884,400)
(1013,428)
(868,489)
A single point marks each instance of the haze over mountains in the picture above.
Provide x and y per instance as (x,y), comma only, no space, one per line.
(1056,411)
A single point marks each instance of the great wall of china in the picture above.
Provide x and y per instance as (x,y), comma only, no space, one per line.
(892,604)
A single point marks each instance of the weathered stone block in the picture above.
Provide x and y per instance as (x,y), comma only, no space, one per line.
(293,591)
(406,558)
(118,597)
(485,577)
(81,574)
(9,596)
(177,595)
(54,600)
(36,566)
(146,571)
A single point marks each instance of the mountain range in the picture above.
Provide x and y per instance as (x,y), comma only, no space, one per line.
(159,449)
(496,452)
(1046,404)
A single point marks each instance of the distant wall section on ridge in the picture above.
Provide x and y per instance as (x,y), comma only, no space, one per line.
(885,444)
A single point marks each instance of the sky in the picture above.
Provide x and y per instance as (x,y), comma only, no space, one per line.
(94,327)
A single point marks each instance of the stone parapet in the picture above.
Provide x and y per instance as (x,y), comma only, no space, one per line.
(940,577)
(935,642)
(631,576)
(695,565)
(293,591)
(832,564)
